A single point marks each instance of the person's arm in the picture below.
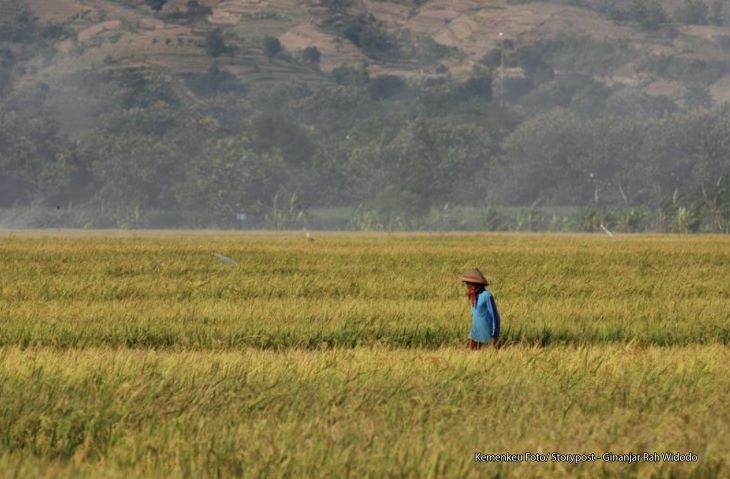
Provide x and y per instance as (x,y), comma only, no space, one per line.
(494,314)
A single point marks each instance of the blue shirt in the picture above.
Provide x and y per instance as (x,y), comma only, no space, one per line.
(484,318)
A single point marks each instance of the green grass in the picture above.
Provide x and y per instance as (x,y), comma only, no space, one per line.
(129,354)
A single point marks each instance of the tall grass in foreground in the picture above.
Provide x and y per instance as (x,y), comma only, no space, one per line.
(141,355)
(360,412)
(345,291)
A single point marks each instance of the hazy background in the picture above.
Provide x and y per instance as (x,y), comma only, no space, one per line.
(366,115)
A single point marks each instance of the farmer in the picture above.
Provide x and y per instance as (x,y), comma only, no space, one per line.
(484,314)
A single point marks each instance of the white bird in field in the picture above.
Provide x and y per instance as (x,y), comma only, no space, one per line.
(224,259)
(309,237)
(605,230)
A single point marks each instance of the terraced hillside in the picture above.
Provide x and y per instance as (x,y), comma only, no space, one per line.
(407,38)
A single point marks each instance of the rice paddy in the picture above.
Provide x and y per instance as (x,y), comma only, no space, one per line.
(129,354)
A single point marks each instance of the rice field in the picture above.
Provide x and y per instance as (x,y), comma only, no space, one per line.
(139,354)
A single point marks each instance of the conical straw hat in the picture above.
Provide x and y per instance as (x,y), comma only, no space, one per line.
(474,276)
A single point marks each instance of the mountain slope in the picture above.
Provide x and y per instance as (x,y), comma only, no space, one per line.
(406,38)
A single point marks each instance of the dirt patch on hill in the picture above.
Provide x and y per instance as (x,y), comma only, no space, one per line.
(671,88)
(231,12)
(57,11)
(720,90)
(128,30)
(707,32)
(475,28)
(178,41)
(468,25)
(393,15)
(333,50)
(88,33)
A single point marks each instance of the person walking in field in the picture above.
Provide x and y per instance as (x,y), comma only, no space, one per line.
(484,314)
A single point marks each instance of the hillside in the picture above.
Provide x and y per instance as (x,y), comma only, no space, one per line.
(428,38)
(401,114)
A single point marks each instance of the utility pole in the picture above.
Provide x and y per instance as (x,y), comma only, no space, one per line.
(501,69)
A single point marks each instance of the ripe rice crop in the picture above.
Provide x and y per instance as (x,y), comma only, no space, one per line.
(140,354)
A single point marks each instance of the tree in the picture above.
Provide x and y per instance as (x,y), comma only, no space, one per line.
(197,11)
(132,169)
(216,43)
(272,47)
(311,55)
(336,6)
(692,12)
(23,29)
(720,12)
(345,75)
(365,32)
(275,132)
(7,62)
(155,5)
(386,86)
(139,87)
(235,179)
(216,81)
(649,14)
(697,96)
(479,86)
(36,162)
(631,102)
(426,162)
(543,160)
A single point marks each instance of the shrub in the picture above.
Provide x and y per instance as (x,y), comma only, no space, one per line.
(155,5)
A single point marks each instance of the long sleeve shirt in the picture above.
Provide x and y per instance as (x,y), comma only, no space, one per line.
(484,318)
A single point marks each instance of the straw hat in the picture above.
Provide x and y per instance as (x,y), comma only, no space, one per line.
(474,276)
